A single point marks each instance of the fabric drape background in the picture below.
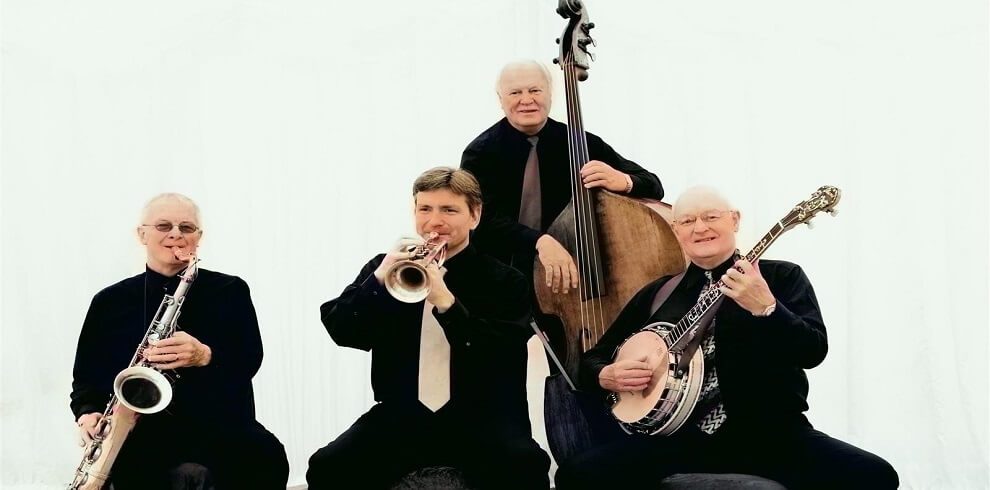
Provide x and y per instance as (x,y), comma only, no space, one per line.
(299,126)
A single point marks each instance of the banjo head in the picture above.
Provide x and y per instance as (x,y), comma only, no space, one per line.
(648,345)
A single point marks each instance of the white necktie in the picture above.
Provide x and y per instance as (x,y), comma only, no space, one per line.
(434,362)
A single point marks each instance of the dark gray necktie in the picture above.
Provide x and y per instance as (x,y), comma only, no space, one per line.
(531,202)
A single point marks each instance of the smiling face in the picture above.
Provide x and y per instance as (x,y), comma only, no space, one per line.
(447,214)
(165,247)
(524,93)
(705,226)
(447,201)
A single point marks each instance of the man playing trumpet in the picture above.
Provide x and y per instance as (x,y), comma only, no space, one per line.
(208,431)
(448,371)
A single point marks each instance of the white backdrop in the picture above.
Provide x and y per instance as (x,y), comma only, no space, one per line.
(299,126)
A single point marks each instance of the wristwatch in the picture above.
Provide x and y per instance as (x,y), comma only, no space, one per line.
(768,310)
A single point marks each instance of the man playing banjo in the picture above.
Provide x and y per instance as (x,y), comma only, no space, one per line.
(749,414)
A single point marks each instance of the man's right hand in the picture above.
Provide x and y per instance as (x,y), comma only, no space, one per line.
(561,273)
(627,375)
(87,426)
(399,252)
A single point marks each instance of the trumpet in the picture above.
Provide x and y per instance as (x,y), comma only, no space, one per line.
(406,280)
(139,389)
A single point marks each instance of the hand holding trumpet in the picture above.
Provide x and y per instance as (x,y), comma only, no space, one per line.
(439,295)
(414,272)
(404,249)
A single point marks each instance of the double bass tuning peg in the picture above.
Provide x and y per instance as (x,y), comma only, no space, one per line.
(589,26)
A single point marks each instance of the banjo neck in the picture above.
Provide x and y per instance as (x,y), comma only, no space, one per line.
(687,328)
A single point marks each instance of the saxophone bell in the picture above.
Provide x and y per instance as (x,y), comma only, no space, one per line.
(142,389)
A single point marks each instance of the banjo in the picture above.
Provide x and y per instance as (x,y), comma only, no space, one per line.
(670,397)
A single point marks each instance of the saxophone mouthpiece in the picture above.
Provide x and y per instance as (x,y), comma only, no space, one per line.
(192,269)
(185,255)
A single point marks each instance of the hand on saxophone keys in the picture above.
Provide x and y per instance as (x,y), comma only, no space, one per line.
(179,350)
(87,426)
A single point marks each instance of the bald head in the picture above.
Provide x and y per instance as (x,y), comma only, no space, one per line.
(700,198)
(705,225)
(169,198)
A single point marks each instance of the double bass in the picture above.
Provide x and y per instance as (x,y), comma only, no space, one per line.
(619,244)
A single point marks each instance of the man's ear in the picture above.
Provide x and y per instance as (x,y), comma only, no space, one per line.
(476,216)
(736,216)
(142,234)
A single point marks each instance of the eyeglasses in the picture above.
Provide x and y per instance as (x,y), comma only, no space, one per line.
(167,226)
(709,216)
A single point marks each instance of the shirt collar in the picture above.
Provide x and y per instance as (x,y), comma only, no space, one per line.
(154,280)
(523,137)
(696,274)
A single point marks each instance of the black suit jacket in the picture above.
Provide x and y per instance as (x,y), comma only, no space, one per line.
(760,360)
(487,328)
(217,310)
(497,158)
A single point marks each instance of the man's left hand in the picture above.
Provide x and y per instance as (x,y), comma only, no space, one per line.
(179,350)
(439,296)
(599,174)
(746,286)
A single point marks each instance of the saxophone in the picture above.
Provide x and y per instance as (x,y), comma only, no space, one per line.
(139,389)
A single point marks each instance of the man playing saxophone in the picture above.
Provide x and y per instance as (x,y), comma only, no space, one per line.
(208,429)
(449,355)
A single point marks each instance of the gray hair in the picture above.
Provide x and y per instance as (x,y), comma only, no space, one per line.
(524,63)
(170,196)
(698,193)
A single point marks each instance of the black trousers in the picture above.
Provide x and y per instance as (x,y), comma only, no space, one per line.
(392,440)
(798,457)
(237,456)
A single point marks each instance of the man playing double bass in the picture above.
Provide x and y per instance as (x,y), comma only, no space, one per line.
(749,417)
(529,175)
(522,165)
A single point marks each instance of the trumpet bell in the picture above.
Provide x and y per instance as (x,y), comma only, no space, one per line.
(142,389)
(407,281)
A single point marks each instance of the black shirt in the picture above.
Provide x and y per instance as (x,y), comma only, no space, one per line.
(217,311)
(760,360)
(497,158)
(486,327)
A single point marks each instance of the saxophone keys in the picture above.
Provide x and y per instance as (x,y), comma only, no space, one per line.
(93,453)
